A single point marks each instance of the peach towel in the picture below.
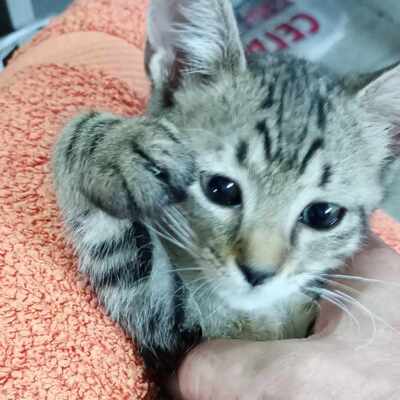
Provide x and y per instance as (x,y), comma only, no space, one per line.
(55,341)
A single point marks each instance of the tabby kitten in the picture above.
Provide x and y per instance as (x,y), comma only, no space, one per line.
(216,213)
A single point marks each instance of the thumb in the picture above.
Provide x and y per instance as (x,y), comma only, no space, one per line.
(231,369)
(197,375)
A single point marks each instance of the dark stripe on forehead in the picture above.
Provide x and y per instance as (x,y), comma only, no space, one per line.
(326,175)
(279,155)
(318,110)
(282,103)
(322,111)
(305,74)
(263,129)
(241,151)
(285,95)
(303,134)
(269,100)
(315,146)
(313,109)
(267,146)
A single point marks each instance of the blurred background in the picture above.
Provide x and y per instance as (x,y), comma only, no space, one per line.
(16,14)
(345,35)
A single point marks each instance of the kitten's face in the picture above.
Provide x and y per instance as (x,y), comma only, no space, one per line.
(290,160)
(286,181)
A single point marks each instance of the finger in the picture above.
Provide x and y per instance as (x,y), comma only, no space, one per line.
(196,375)
(227,370)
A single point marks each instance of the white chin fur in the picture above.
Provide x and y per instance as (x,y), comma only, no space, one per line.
(277,292)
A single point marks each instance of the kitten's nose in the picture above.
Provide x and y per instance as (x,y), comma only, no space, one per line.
(254,277)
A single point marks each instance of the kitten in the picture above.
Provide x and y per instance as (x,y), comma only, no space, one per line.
(218,212)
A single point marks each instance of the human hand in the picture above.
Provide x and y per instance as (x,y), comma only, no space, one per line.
(343,360)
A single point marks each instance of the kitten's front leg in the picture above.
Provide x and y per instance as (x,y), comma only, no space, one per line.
(113,176)
(129,168)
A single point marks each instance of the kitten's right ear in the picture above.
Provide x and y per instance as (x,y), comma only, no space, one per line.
(196,37)
(355,83)
(381,99)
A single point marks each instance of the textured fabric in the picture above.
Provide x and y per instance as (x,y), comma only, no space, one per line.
(120,18)
(55,340)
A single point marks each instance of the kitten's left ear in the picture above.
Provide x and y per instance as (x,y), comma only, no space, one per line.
(191,37)
(380,97)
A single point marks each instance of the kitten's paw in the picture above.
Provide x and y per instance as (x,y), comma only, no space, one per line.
(157,170)
(140,166)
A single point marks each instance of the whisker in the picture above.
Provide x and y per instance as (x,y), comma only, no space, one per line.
(177,214)
(214,288)
(183,287)
(371,315)
(171,239)
(357,303)
(178,224)
(163,234)
(186,243)
(341,285)
(201,286)
(184,269)
(362,279)
(330,297)
(208,291)
(198,292)
(369,311)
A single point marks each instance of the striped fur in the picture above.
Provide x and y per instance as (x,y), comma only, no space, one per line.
(168,264)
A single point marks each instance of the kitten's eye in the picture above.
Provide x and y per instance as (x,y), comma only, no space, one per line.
(322,216)
(222,190)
